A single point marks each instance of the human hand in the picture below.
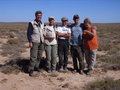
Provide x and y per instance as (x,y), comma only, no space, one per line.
(85,31)
(51,37)
(30,44)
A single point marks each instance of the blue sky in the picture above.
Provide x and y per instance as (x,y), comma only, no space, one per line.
(99,11)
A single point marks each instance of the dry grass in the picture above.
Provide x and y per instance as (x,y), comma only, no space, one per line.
(105,84)
(16,35)
(109,41)
(15,66)
(18,64)
(13,47)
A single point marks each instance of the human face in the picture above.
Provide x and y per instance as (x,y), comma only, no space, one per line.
(51,21)
(76,21)
(38,17)
(64,23)
(87,25)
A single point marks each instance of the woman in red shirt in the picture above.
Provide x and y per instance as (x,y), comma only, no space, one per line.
(90,44)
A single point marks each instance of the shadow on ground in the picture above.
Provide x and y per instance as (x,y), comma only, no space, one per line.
(18,65)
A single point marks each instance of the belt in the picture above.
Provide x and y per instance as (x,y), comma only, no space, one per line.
(63,39)
(76,45)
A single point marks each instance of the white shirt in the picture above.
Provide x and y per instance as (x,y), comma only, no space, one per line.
(51,32)
(63,29)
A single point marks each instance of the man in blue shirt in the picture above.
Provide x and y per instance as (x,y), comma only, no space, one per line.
(76,43)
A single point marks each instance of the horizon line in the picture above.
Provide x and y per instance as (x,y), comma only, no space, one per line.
(58,22)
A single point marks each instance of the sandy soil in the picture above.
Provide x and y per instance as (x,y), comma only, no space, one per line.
(50,81)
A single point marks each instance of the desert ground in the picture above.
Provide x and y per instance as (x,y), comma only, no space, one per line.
(15,53)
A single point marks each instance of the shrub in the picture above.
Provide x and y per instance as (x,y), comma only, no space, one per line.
(13,42)
(111,62)
(15,66)
(19,64)
(105,84)
(13,47)
(104,47)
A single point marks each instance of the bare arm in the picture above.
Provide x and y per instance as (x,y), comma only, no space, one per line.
(67,35)
(47,37)
(93,33)
(63,34)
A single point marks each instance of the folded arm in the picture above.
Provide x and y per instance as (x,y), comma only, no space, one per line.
(63,34)
(93,33)
(47,37)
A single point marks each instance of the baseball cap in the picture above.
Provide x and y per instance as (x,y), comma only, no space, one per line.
(51,17)
(64,19)
(76,16)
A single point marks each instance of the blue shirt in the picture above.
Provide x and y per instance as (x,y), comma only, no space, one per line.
(76,35)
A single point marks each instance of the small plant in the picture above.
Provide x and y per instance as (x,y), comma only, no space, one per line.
(105,84)
(111,62)
(61,79)
(13,42)
(15,66)
(66,85)
(104,47)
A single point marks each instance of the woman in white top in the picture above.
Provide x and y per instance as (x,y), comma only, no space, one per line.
(50,45)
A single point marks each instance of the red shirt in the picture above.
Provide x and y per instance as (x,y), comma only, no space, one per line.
(90,42)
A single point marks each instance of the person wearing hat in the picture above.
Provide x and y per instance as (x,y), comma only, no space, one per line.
(76,43)
(50,45)
(63,32)
(36,39)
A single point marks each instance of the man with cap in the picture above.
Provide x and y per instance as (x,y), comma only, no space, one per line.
(36,39)
(50,45)
(63,32)
(76,43)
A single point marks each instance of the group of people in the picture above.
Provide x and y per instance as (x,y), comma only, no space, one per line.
(56,39)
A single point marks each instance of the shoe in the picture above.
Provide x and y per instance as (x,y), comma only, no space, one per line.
(81,72)
(49,71)
(53,71)
(61,68)
(31,73)
(89,72)
(65,68)
(38,69)
(74,71)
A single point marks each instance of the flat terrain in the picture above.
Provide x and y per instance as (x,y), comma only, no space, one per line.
(14,59)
